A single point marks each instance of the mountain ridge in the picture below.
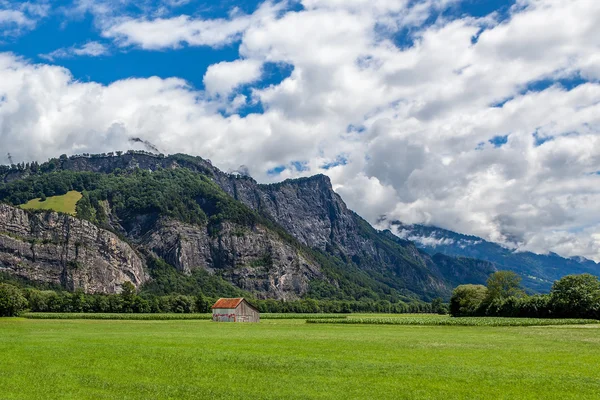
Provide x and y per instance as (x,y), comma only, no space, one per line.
(291,239)
(539,271)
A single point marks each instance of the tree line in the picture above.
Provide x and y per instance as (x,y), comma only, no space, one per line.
(13,301)
(573,296)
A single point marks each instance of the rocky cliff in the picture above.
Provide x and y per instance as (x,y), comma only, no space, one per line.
(252,258)
(67,251)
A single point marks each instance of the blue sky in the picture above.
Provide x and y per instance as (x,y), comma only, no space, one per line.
(480,116)
(60,30)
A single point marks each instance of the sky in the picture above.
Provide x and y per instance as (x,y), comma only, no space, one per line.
(479,116)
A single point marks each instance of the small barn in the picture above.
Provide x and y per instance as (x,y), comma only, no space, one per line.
(234,310)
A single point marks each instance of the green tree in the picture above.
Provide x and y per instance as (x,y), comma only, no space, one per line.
(12,302)
(466,299)
(576,296)
(438,306)
(202,304)
(504,284)
(128,296)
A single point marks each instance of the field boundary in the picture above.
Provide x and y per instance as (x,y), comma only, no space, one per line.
(172,316)
(460,321)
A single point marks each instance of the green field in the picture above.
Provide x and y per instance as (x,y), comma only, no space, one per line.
(290,359)
(65,203)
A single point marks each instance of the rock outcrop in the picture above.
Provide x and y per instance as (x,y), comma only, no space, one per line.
(60,249)
(254,259)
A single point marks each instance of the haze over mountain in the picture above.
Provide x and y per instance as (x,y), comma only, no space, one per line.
(538,270)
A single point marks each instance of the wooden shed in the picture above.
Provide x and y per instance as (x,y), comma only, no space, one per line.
(234,310)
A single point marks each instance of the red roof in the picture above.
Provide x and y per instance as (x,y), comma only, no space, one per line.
(228,303)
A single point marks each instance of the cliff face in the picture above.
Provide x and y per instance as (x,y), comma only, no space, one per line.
(307,208)
(253,259)
(310,210)
(71,252)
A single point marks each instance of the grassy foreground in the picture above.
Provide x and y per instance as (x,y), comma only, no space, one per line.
(289,359)
(65,203)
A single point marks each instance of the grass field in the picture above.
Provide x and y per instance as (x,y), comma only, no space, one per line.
(290,359)
(65,203)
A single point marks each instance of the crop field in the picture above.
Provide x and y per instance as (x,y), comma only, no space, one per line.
(291,359)
(447,320)
(65,203)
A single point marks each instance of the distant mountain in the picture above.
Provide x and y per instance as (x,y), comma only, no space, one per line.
(537,270)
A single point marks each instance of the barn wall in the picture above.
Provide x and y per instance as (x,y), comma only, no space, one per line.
(245,313)
(224,314)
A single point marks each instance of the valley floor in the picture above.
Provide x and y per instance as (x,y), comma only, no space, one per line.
(289,359)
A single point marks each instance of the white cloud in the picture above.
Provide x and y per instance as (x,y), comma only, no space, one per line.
(90,49)
(413,123)
(173,32)
(17,17)
(431,241)
(14,17)
(223,77)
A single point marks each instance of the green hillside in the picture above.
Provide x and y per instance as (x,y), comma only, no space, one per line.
(65,203)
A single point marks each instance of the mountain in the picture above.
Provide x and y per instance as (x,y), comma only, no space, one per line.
(538,271)
(178,224)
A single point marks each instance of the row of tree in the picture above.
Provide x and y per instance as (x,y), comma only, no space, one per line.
(573,296)
(13,301)
(54,163)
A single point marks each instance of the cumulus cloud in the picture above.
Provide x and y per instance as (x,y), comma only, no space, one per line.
(89,49)
(412,121)
(223,77)
(173,32)
(17,17)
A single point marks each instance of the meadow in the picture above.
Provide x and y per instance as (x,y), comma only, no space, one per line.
(65,203)
(291,359)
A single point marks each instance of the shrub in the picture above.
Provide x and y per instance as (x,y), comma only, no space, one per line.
(576,296)
(537,306)
(12,302)
(466,299)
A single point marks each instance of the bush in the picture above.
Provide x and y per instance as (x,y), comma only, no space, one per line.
(503,285)
(467,299)
(577,296)
(573,296)
(537,306)
(438,307)
(12,302)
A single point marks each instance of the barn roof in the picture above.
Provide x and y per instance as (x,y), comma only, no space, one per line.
(228,303)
